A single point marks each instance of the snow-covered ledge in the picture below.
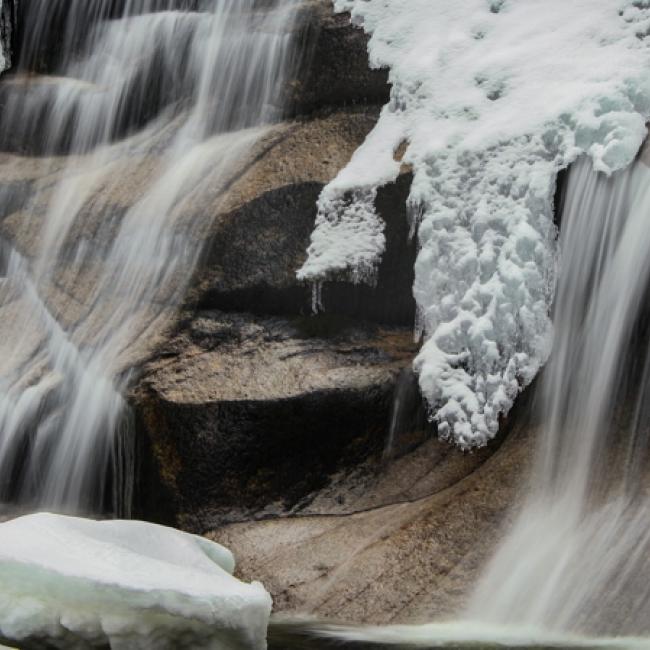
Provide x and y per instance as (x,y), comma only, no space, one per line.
(492,99)
(78,583)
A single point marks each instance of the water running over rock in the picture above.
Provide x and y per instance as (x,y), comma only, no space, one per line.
(577,558)
(89,282)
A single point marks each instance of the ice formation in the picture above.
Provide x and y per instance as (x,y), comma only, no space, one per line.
(492,99)
(75,583)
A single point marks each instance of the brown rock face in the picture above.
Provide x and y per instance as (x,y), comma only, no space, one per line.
(259,239)
(415,561)
(254,406)
(249,416)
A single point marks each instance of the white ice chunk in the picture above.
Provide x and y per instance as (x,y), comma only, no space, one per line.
(77,583)
(492,98)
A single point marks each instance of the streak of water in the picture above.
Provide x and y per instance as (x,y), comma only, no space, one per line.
(98,283)
(316,635)
(578,557)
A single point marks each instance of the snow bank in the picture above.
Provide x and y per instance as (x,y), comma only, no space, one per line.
(492,97)
(78,583)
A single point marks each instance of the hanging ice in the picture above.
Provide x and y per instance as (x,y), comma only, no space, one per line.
(74,583)
(492,98)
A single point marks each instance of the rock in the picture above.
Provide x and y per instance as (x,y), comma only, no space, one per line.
(253,224)
(335,70)
(415,561)
(251,385)
(259,240)
(333,73)
(247,416)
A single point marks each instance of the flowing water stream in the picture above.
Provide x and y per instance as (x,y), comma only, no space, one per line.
(574,570)
(177,92)
(578,558)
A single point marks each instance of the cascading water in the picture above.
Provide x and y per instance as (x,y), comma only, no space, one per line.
(578,557)
(190,85)
(574,570)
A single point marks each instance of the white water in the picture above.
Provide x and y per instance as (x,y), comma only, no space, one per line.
(456,635)
(210,78)
(574,570)
(578,558)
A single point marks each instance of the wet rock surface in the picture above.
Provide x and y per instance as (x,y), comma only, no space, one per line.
(250,417)
(330,71)
(416,561)
(336,70)
(256,408)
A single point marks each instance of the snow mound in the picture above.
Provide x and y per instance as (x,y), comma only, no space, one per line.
(74,583)
(491,98)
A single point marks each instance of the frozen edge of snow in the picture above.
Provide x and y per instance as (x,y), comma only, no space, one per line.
(133,584)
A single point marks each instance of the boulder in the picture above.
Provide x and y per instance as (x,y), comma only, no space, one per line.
(259,239)
(409,562)
(251,385)
(245,416)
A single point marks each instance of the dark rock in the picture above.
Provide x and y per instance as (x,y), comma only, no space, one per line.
(331,71)
(247,416)
(259,239)
(252,263)
(336,71)
(8,25)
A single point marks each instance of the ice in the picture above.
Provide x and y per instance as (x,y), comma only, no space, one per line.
(492,99)
(77,583)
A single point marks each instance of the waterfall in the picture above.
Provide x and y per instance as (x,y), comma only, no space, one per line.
(578,555)
(176,93)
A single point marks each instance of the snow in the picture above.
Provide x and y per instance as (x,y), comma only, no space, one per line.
(492,99)
(79,583)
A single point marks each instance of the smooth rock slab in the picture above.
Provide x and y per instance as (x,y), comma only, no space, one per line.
(75,583)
